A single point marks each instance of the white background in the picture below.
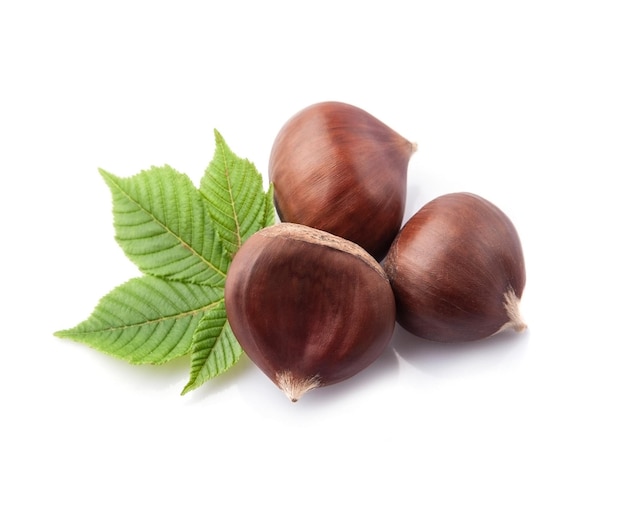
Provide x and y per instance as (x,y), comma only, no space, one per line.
(520,102)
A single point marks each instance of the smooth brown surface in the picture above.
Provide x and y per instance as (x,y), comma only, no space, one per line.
(451,267)
(337,168)
(308,307)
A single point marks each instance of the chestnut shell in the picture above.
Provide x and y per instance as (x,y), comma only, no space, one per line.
(308,308)
(457,270)
(337,168)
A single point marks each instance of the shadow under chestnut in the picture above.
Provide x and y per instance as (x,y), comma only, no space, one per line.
(455,359)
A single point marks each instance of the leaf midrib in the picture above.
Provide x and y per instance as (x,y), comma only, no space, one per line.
(230,194)
(192,312)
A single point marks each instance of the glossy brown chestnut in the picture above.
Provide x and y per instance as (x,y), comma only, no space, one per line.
(457,270)
(337,168)
(309,308)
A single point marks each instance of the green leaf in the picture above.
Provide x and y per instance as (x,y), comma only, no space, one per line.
(234,191)
(147,320)
(162,224)
(270,212)
(214,348)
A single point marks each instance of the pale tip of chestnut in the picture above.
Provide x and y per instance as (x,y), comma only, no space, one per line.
(512,307)
(414,147)
(293,387)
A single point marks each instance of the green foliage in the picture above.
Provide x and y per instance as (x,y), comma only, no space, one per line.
(182,239)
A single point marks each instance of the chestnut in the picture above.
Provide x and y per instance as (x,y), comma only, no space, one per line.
(457,270)
(308,308)
(337,168)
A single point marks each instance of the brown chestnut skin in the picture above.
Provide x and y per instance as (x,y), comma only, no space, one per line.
(457,270)
(308,308)
(337,168)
